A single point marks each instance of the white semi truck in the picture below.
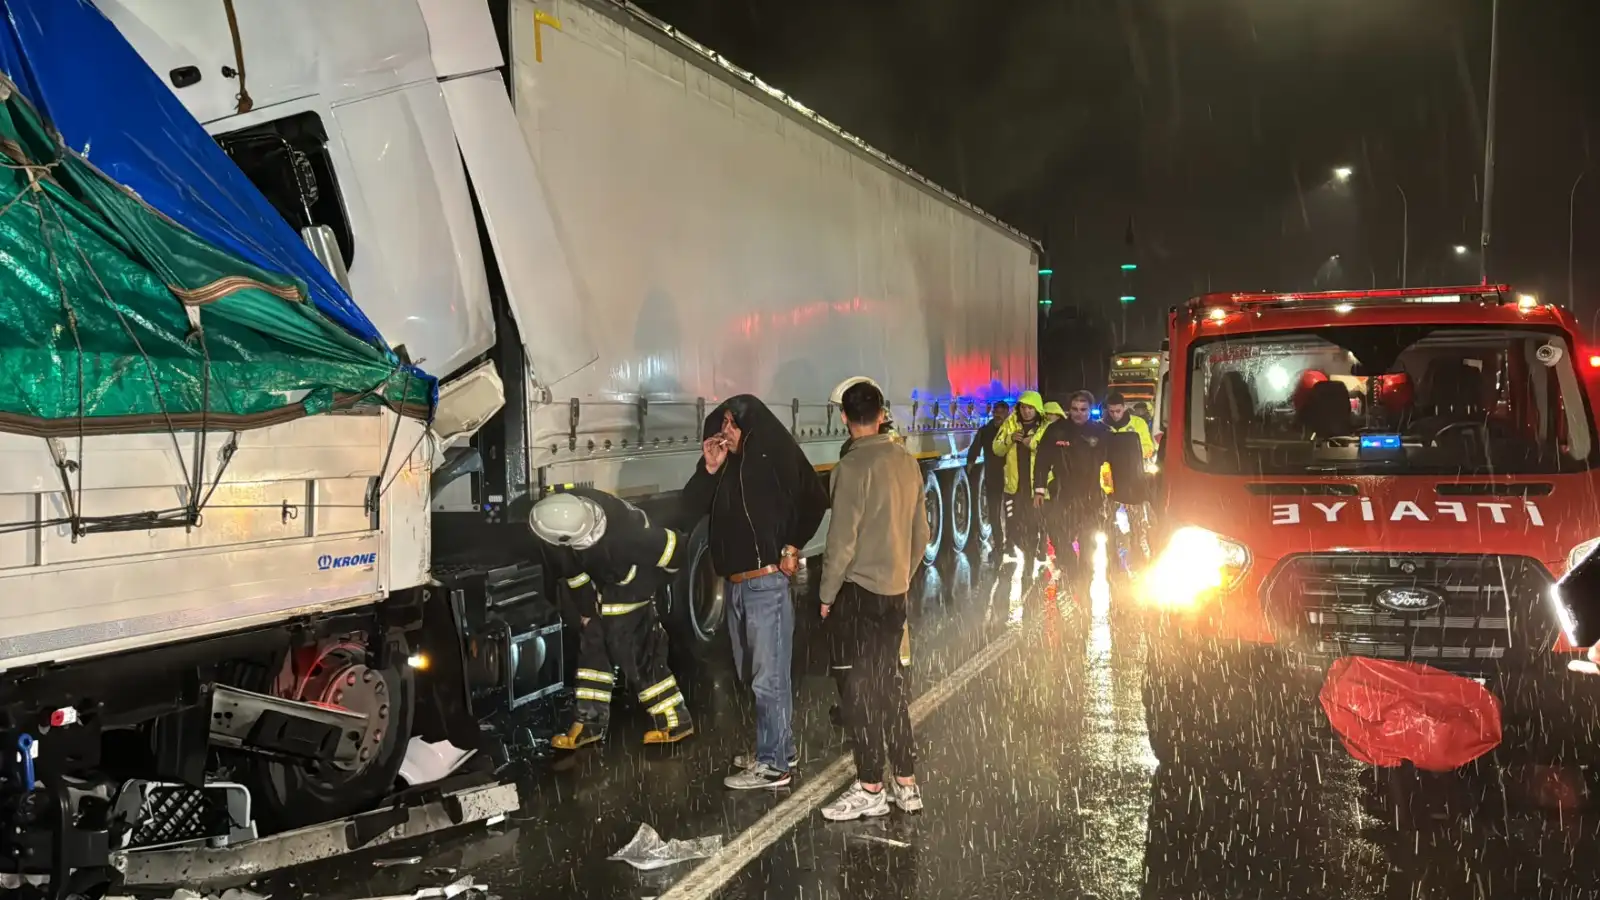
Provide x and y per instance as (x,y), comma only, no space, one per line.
(592,229)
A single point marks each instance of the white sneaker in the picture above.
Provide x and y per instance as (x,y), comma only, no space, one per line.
(757,777)
(907,796)
(857,803)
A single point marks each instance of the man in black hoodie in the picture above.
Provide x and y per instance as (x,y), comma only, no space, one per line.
(994,471)
(766,502)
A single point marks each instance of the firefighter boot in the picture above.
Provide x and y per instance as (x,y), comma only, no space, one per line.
(672,719)
(581,734)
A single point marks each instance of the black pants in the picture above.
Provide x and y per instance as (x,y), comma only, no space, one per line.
(1024,529)
(1077,520)
(626,634)
(864,632)
(994,499)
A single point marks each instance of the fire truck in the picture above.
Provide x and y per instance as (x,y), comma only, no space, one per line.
(1392,475)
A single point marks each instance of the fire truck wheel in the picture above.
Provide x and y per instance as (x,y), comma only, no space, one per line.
(290,795)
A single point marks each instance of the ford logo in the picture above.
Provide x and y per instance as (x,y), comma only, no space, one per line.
(1409,599)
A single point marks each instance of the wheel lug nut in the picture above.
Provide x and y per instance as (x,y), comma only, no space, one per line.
(383,711)
(367,676)
(350,679)
(338,696)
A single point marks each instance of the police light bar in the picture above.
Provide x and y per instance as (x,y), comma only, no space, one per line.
(1224,303)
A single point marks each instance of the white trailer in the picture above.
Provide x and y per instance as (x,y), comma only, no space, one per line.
(567,208)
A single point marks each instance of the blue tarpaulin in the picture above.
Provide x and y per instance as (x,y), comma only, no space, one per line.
(108,105)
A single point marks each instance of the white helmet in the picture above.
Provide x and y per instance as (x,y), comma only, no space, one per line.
(837,397)
(568,520)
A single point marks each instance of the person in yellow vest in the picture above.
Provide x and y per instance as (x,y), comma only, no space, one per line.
(1017,442)
(1053,412)
(1121,420)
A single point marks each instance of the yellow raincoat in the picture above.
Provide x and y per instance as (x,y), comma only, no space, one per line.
(1004,441)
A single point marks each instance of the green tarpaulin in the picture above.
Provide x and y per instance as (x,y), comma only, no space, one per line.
(115,318)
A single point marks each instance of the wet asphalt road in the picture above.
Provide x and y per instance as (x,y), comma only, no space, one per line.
(1040,783)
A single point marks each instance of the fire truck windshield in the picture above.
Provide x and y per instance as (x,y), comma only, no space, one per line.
(1402,399)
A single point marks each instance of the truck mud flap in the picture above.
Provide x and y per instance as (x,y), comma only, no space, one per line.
(203,866)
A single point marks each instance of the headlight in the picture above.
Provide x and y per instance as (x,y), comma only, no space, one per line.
(1580,552)
(1195,562)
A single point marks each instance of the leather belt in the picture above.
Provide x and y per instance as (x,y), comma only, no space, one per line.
(742,577)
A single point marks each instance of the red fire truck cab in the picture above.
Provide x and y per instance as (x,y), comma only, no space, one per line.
(1398,475)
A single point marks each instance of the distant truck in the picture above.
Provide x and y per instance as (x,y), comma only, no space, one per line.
(1391,475)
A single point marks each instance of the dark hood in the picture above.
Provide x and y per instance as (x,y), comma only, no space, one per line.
(762,428)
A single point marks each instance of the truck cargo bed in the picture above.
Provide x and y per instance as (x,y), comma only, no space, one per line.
(96,555)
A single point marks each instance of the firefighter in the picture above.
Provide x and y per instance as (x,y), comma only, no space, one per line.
(1017,441)
(1053,412)
(616,560)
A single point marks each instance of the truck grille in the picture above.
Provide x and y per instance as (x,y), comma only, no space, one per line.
(1326,605)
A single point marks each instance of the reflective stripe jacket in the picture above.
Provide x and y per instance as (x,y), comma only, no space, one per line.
(632,551)
(1004,446)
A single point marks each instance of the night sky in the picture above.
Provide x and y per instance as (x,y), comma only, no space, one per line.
(1214,126)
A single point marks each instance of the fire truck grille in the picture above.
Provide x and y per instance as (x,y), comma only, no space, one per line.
(1481,611)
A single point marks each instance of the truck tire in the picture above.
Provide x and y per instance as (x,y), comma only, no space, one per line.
(696,601)
(933,503)
(285,795)
(980,506)
(961,509)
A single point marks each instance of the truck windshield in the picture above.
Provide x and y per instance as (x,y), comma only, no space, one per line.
(1412,399)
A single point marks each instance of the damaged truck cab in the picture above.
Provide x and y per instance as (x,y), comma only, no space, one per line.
(1394,476)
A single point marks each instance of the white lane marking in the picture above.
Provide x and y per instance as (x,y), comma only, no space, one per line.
(710,876)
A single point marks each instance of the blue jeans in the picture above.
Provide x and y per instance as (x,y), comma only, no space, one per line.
(761,625)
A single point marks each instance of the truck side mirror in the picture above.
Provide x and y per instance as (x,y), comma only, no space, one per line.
(324,246)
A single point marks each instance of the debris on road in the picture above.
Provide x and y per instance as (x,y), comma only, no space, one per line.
(648,851)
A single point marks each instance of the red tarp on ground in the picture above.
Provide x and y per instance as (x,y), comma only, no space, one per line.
(1389,712)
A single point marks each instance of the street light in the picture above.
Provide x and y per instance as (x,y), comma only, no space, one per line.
(1343,173)
(1461,249)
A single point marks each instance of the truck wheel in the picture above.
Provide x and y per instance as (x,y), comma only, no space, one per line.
(980,508)
(933,503)
(697,607)
(288,795)
(959,490)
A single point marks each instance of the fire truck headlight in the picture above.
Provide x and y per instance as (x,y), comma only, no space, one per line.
(1195,563)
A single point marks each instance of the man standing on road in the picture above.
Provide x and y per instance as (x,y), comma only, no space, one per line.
(765,502)
(1017,441)
(875,542)
(994,496)
(1073,450)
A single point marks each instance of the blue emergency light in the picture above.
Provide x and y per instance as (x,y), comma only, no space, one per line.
(1095,413)
(1380,442)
